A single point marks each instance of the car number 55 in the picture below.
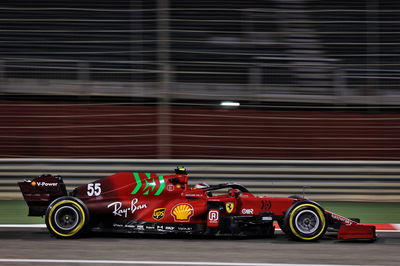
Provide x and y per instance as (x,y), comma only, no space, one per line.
(94,189)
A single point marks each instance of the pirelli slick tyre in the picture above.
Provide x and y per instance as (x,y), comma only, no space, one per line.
(305,221)
(67,217)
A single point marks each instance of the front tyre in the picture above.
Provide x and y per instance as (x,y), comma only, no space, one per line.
(305,221)
(67,217)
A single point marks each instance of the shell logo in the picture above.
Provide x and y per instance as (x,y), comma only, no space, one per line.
(182,212)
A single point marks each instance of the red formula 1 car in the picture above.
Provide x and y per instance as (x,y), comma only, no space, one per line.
(150,203)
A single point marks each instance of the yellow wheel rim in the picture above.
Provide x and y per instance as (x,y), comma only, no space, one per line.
(78,226)
(292,218)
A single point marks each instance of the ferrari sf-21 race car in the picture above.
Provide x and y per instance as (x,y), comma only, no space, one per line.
(135,202)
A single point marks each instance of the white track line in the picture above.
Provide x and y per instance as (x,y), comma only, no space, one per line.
(397,226)
(210,263)
(22,226)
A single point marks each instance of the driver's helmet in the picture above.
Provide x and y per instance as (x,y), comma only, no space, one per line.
(202,185)
(180,171)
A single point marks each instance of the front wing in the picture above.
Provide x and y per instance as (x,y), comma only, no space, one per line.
(351,230)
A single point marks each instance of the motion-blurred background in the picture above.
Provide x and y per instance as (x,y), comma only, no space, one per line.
(173,79)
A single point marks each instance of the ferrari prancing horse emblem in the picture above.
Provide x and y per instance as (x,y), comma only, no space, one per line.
(229,206)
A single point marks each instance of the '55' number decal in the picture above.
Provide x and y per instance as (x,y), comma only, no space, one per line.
(94,189)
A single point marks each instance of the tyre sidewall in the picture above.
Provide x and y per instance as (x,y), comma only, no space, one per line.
(78,229)
(291,227)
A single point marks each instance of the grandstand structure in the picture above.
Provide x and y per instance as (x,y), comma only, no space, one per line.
(309,51)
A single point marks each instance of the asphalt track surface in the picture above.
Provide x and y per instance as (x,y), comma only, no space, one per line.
(36,243)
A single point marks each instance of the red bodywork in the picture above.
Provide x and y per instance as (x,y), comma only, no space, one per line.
(121,191)
(147,202)
(350,229)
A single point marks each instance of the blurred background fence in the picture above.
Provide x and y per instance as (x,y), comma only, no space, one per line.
(319,180)
(58,130)
(271,50)
(146,79)
(173,79)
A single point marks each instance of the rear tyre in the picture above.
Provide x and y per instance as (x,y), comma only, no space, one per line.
(305,221)
(67,217)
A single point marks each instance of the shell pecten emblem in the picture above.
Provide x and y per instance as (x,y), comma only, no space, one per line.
(182,212)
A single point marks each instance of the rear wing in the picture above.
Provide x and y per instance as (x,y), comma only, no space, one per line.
(41,191)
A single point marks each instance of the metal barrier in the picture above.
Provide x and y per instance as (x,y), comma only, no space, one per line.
(319,180)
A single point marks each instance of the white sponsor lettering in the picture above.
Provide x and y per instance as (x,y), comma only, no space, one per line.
(140,227)
(94,189)
(247,211)
(118,225)
(342,219)
(160,228)
(44,184)
(119,211)
(213,216)
(185,228)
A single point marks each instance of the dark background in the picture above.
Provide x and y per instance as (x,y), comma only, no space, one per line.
(144,79)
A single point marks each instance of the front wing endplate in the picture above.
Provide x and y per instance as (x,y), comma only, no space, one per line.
(357,232)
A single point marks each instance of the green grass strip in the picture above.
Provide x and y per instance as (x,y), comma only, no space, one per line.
(16,212)
(368,212)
